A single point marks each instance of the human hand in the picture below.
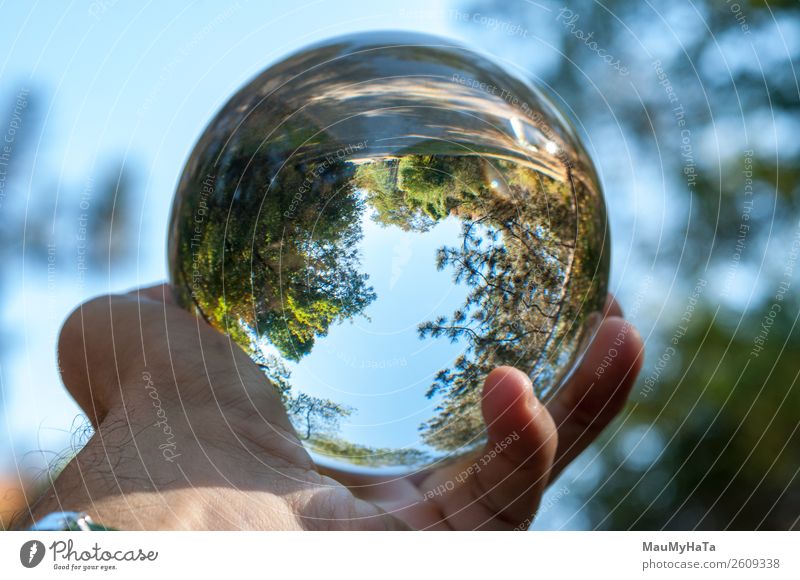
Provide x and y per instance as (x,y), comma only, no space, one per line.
(189,435)
(529,444)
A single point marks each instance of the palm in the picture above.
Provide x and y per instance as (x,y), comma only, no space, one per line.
(529,444)
(242,441)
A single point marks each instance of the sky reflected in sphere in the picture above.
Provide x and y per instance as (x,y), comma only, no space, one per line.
(379,221)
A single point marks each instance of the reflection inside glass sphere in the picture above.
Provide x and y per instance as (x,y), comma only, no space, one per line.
(379,221)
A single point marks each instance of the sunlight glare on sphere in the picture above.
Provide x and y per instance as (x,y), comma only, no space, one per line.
(380,220)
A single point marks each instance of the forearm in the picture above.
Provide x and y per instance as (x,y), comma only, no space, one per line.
(115,479)
(132,477)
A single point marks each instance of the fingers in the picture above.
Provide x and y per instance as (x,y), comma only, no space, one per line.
(86,370)
(501,487)
(105,342)
(107,345)
(158,292)
(523,432)
(530,443)
(111,346)
(599,387)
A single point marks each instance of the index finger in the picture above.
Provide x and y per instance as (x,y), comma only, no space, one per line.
(158,292)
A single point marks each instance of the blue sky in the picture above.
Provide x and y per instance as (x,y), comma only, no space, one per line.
(376,363)
(138,83)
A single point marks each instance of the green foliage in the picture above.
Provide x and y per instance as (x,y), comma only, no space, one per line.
(529,288)
(316,416)
(267,252)
(290,274)
(363,455)
(436,184)
(724,422)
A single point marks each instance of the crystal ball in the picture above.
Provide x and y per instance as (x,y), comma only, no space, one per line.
(379,221)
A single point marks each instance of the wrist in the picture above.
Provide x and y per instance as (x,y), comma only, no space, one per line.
(196,470)
(116,479)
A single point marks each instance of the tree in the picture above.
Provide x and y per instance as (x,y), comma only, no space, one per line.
(318,415)
(531,253)
(710,440)
(365,456)
(279,262)
(390,207)
(531,287)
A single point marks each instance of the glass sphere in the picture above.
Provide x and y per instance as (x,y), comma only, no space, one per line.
(379,221)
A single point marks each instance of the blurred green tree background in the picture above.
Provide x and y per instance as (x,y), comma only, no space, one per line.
(695,105)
